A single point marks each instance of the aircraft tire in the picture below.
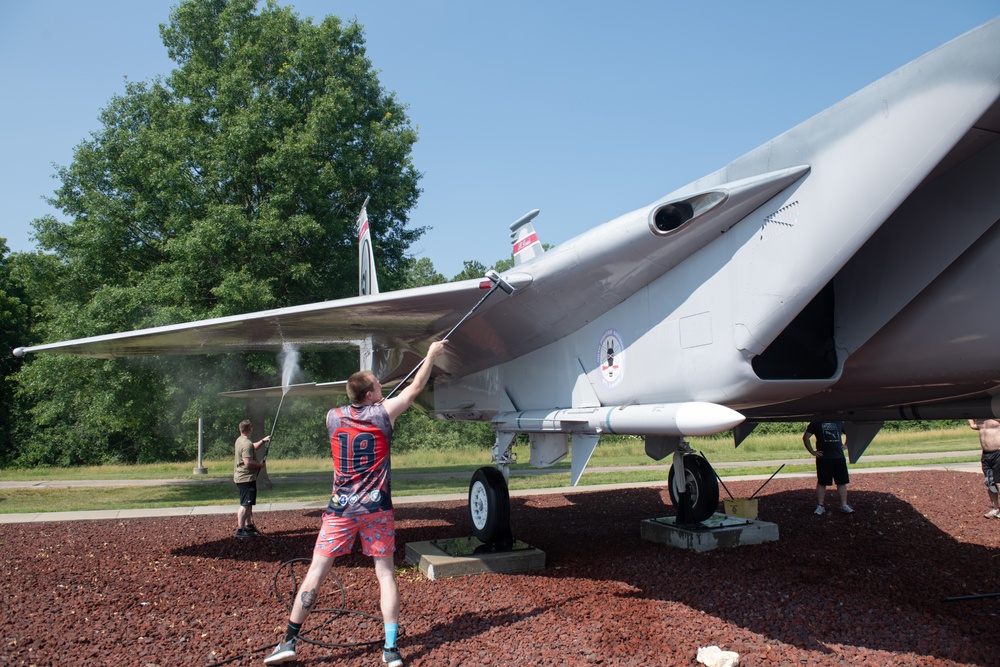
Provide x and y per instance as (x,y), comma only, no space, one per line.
(702,487)
(489,505)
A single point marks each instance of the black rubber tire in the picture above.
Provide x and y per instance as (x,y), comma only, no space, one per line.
(489,506)
(702,488)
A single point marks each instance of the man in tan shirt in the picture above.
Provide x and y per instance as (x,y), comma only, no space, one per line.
(248,462)
(989,440)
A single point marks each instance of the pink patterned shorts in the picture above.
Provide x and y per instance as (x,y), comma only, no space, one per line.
(336,535)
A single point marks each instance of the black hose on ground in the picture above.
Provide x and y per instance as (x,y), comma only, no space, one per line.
(289,600)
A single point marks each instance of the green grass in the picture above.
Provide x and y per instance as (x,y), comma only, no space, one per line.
(452,466)
(611,452)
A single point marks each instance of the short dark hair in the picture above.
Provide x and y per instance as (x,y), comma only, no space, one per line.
(358,385)
(245,426)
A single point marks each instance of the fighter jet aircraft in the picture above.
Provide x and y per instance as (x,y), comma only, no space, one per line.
(843,270)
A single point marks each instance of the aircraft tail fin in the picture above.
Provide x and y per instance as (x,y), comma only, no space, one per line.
(367,279)
(524,240)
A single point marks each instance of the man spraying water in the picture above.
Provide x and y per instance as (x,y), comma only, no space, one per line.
(361,504)
(248,464)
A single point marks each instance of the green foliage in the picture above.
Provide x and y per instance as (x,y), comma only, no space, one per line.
(778,428)
(421,273)
(476,269)
(470,269)
(415,430)
(926,425)
(106,400)
(229,186)
(14,332)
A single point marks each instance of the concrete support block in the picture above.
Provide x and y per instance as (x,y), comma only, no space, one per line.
(441,559)
(717,532)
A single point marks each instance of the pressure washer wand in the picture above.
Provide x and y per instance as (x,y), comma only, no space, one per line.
(267,447)
(276,416)
(498,282)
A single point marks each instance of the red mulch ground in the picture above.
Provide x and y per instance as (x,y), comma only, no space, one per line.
(861,589)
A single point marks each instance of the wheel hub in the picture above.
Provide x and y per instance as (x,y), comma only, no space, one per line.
(477,505)
(691,486)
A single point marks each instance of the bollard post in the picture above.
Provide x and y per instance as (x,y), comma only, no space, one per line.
(200,469)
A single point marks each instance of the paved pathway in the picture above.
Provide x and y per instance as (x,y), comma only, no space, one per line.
(971,466)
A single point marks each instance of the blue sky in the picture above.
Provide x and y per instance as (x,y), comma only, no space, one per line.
(585,110)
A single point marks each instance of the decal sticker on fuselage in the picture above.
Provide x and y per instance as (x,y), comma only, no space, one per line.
(611,358)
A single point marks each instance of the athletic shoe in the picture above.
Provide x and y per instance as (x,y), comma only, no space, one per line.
(847,509)
(819,510)
(391,657)
(992,514)
(283,652)
(252,530)
(243,532)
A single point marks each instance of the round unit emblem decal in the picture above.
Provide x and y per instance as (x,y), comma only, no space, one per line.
(611,358)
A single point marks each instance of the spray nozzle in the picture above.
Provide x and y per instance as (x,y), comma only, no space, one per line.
(495,278)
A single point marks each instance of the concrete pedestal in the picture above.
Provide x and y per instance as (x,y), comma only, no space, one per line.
(719,531)
(440,559)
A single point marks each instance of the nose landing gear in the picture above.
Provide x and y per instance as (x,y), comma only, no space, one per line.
(700,497)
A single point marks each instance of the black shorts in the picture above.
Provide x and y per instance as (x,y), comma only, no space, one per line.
(248,493)
(829,471)
(991,469)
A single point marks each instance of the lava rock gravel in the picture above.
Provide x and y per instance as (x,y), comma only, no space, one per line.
(869,588)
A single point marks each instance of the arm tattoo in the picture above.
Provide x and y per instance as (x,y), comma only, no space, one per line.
(308,598)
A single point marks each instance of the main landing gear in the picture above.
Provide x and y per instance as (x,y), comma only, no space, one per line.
(489,508)
(489,500)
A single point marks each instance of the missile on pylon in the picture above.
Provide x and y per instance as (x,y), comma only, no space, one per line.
(690,418)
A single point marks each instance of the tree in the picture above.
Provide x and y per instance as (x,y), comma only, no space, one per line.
(14,328)
(470,269)
(476,269)
(421,273)
(228,187)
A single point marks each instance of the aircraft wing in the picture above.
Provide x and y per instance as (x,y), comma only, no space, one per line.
(399,319)
(555,293)
(301,390)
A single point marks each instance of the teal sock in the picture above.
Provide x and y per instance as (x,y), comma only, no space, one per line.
(292,630)
(391,630)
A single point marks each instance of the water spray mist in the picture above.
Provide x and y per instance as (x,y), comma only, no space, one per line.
(289,359)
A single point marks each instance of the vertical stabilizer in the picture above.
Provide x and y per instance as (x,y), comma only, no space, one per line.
(524,240)
(367,279)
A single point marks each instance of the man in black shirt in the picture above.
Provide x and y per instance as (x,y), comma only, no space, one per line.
(831,464)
